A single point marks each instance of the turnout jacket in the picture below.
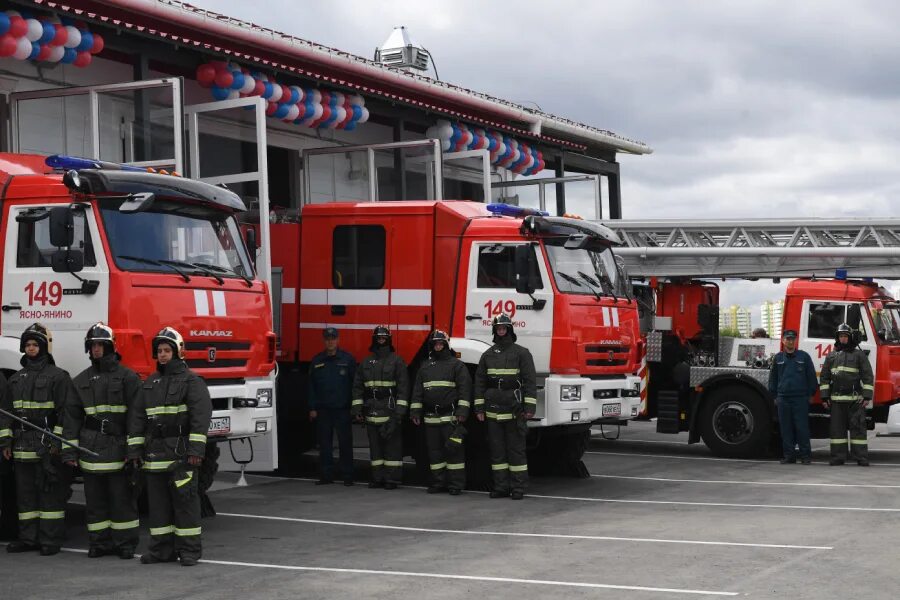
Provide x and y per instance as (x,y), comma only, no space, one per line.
(178,411)
(37,393)
(105,414)
(505,381)
(381,387)
(331,380)
(793,375)
(846,376)
(442,389)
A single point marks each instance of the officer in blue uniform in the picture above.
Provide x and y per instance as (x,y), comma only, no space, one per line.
(793,382)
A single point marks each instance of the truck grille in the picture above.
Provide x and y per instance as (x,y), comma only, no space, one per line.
(212,355)
(597,355)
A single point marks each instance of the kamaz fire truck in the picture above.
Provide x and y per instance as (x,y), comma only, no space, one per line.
(715,387)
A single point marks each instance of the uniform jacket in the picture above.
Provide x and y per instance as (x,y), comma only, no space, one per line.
(442,387)
(178,410)
(108,392)
(793,375)
(846,376)
(37,393)
(381,386)
(331,380)
(505,381)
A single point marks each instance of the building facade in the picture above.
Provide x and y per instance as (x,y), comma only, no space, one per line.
(771,315)
(736,317)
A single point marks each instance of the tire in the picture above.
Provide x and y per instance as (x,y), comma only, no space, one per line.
(735,423)
(560,454)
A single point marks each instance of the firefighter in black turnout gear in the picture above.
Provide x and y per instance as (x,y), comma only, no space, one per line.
(506,393)
(38,393)
(178,410)
(845,386)
(381,398)
(105,415)
(441,393)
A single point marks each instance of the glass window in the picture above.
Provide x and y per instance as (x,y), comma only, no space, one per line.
(586,270)
(825,317)
(886,319)
(497,267)
(358,257)
(35,250)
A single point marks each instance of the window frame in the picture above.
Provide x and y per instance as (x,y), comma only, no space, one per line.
(29,228)
(335,271)
(511,248)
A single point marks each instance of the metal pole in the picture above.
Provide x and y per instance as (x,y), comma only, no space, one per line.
(49,434)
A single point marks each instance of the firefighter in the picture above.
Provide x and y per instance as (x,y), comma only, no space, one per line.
(8,516)
(380,398)
(38,393)
(104,415)
(178,411)
(845,387)
(441,392)
(506,393)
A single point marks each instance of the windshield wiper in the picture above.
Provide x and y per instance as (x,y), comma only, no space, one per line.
(569,278)
(209,272)
(221,269)
(593,283)
(604,278)
(148,261)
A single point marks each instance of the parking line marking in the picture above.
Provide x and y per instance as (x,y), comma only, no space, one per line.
(547,582)
(722,504)
(716,458)
(518,534)
(728,481)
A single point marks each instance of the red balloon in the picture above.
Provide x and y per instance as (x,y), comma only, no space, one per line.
(98,44)
(258,89)
(206,75)
(285,93)
(224,79)
(326,113)
(61,35)
(17,27)
(302,113)
(44,54)
(82,59)
(8,45)
(348,108)
(271,107)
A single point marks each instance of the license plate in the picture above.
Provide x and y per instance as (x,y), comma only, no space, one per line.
(219,426)
(612,410)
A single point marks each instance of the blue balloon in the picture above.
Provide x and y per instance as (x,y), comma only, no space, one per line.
(4,23)
(357,114)
(282,111)
(238,80)
(267,90)
(350,126)
(220,93)
(454,137)
(69,56)
(87,41)
(35,50)
(309,107)
(49,32)
(492,143)
(295,96)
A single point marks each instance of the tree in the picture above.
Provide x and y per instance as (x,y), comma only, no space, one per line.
(729,332)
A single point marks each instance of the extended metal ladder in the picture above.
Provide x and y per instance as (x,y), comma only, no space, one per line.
(760,248)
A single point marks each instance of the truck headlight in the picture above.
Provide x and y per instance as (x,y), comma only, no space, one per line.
(264,397)
(569,393)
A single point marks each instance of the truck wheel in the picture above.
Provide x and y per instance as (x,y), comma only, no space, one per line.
(735,423)
(560,455)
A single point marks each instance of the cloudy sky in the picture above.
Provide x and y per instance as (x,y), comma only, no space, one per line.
(753,109)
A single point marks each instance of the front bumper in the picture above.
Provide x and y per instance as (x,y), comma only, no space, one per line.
(246,418)
(600,400)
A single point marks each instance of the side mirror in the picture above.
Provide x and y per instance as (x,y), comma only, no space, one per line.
(62,226)
(67,261)
(526,266)
(250,240)
(137,202)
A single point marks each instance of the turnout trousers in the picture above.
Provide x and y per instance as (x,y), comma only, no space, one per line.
(509,465)
(42,503)
(112,518)
(848,416)
(328,422)
(386,455)
(447,461)
(174,517)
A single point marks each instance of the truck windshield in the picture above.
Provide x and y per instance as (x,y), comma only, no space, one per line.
(886,318)
(207,240)
(586,271)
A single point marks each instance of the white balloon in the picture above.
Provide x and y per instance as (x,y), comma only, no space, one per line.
(316,96)
(340,97)
(249,84)
(56,54)
(233,94)
(23,49)
(432,132)
(299,91)
(445,145)
(444,130)
(364,116)
(276,93)
(341,115)
(317,112)
(74,37)
(529,161)
(293,113)
(357,100)
(501,148)
(35,30)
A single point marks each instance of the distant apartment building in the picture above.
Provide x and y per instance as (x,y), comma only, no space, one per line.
(735,317)
(771,314)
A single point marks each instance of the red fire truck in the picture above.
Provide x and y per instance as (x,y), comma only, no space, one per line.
(85,241)
(715,387)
